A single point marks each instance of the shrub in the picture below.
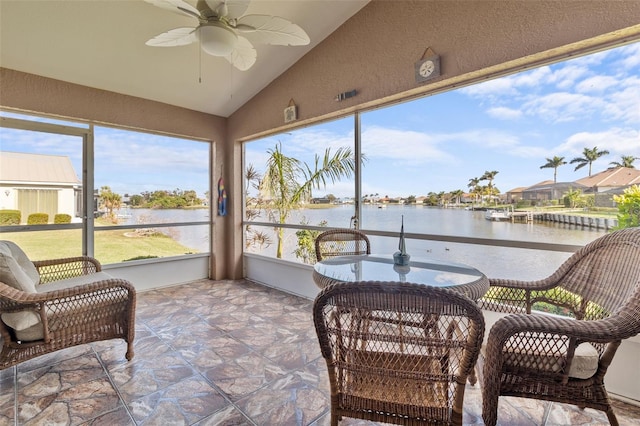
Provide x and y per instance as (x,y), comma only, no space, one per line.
(62,218)
(628,207)
(38,219)
(10,217)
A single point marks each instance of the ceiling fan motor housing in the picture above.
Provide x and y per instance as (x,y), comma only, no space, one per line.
(216,39)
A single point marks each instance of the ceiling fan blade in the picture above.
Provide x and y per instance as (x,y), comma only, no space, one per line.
(177,6)
(243,55)
(272,30)
(231,9)
(176,37)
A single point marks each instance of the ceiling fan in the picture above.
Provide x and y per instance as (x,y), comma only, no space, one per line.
(220,24)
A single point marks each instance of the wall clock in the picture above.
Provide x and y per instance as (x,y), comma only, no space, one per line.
(427,68)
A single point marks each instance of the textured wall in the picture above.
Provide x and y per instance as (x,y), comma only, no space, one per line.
(374,52)
(30,92)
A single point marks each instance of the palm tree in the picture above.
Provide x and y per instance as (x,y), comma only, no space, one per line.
(625,161)
(490,176)
(588,157)
(252,210)
(473,186)
(110,201)
(554,163)
(281,185)
(457,195)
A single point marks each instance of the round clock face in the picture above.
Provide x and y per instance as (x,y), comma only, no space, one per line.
(426,68)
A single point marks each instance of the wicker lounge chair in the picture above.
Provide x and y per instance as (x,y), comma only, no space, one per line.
(50,305)
(397,352)
(341,242)
(557,358)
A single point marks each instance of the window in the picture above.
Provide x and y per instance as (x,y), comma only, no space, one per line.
(312,174)
(147,196)
(440,162)
(152,195)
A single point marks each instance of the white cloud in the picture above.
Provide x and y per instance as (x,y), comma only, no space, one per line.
(562,106)
(617,141)
(596,84)
(532,78)
(498,87)
(624,105)
(406,145)
(565,78)
(504,113)
(629,56)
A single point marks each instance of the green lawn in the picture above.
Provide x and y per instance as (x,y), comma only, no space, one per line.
(110,246)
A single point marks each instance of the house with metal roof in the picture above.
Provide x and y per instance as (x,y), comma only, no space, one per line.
(37,183)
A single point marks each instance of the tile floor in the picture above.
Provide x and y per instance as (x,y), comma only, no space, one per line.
(215,353)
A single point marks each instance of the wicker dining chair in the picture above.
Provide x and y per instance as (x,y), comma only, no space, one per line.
(341,242)
(564,359)
(49,305)
(397,352)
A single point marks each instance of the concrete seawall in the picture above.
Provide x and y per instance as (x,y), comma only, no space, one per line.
(592,222)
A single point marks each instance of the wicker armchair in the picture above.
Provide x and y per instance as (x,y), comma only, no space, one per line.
(73,303)
(557,358)
(341,242)
(397,352)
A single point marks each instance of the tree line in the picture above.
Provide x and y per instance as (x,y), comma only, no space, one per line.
(161,199)
(589,155)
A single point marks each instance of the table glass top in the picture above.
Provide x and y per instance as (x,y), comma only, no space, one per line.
(376,267)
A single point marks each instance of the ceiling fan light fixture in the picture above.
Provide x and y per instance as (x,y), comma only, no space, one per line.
(216,39)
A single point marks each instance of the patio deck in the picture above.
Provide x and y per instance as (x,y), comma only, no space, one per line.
(216,353)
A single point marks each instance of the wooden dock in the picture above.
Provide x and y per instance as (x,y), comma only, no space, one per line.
(527,216)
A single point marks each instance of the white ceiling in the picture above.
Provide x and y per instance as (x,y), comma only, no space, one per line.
(101,44)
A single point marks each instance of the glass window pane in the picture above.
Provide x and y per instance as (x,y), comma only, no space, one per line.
(294,161)
(143,180)
(40,179)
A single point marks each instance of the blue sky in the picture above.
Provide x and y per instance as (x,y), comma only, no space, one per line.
(433,144)
(127,162)
(511,125)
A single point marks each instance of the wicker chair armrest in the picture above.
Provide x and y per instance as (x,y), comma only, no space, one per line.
(601,331)
(20,297)
(544,284)
(63,268)
(60,308)
(513,296)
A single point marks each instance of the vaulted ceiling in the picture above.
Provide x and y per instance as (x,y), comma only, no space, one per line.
(101,44)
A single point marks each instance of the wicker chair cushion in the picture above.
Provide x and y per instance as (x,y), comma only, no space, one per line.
(584,363)
(16,269)
(72,282)
(26,324)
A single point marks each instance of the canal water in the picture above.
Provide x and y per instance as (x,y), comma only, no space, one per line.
(493,261)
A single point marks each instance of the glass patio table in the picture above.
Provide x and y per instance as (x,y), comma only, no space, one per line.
(375,267)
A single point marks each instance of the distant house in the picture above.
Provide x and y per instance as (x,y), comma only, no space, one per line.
(611,179)
(322,200)
(608,183)
(36,183)
(515,194)
(548,190)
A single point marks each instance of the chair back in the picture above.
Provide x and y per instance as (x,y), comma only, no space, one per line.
(397,351)
(341,242)
(601,277)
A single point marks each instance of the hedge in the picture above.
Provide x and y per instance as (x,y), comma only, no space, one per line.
(10,217)
(38,219)
(62,218)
